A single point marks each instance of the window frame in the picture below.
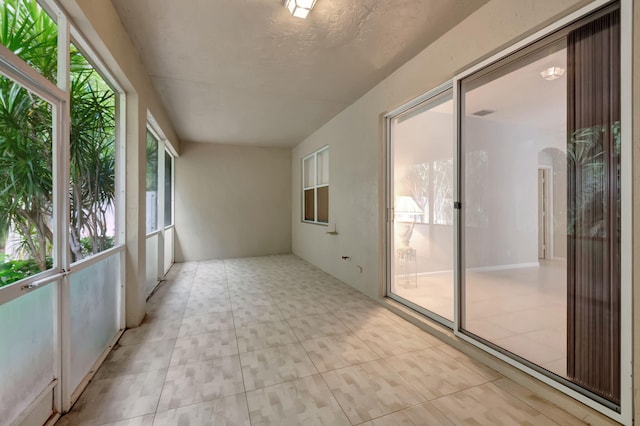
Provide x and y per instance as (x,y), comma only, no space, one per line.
(314,187)
(172,157)
(151,130)
(624,411)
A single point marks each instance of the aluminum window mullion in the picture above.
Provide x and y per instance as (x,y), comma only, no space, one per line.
(315,188)
(61,173)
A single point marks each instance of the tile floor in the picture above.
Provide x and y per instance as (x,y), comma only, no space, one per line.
(274,341)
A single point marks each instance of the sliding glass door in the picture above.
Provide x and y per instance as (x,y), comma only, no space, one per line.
(422,194)
(540,152)
(530,267)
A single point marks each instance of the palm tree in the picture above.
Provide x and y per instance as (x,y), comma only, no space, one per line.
(26,148)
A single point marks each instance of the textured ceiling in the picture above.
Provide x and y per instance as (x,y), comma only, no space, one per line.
(247,72)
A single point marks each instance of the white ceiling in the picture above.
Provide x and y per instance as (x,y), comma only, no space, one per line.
(247,72)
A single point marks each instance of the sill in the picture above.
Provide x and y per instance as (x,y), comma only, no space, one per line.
(315,223)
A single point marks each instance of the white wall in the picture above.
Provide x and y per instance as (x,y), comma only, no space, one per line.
(355,137)
(232,201)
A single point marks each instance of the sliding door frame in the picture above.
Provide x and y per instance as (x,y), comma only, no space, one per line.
(623,413)
(425,99)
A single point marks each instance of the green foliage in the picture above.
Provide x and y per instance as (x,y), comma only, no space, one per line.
(27,144)
(587,154)
(88,244)
(15,270)
(31,34)
(152,162)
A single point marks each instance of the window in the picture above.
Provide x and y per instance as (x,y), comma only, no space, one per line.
(152,183)
(422,185)
(29,32)
(92,186)
(315,187)
(168,189)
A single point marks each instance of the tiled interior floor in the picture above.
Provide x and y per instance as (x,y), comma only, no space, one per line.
(275,341)
(523,310)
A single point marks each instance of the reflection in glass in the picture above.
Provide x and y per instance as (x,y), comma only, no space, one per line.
(423,182)
(541,206)
(515,295)
(168,189)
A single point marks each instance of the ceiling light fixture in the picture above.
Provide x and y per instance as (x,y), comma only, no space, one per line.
(299,8)
(552,73)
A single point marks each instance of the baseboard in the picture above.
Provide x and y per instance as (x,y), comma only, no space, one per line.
(483,269)
(505,267)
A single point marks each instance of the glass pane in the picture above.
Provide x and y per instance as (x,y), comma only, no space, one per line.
(26,349)
(152,183)
(323,167)
(152,263)
(94,314)
(309,172)
(515,174)
(423,211)
(168,248)
(168,189)
(27,31)
(541,145)
(92,154)
(323,204)
(26,183)
(309,205)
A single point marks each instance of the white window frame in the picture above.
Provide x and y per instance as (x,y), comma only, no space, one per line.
(315,186)
(57,94)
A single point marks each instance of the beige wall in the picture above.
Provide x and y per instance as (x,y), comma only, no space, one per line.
(636,208)
(232,201)
(355,138)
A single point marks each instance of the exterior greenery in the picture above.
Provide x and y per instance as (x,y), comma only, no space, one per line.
(27,149)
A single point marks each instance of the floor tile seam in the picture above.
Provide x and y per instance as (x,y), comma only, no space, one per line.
(144,371)
(188,294)
(356,364)
(233,319)
(282,382)
(469,369)
(271,346)
(204,314)
(333,395)
(152,317)
(524,401)
(307,352)
(213,358)
(401,409)
(164,381)
(405,381)
(145,341)
(432,401)
(352,334)
(206,401)
(276,346)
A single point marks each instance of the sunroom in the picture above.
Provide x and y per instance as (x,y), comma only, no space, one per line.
(310,202)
